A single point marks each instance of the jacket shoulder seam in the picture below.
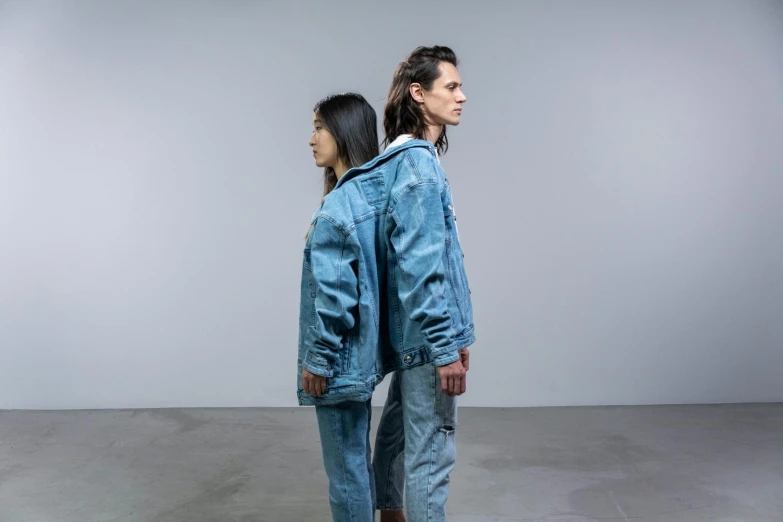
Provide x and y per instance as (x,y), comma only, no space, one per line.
(345,230)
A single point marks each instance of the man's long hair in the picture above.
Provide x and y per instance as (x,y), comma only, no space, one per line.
(402,114)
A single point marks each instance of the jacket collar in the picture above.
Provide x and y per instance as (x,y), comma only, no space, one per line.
(370,165)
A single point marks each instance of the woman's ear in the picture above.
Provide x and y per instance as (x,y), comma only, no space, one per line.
(416,92)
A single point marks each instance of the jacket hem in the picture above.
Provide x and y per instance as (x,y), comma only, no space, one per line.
(350,393)
(419,355)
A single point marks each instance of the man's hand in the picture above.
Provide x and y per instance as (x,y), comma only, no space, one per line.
(464,356)
(314,385)
(452,379)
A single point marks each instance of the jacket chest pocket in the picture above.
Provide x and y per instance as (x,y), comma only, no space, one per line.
(307,271)
(308,287)
(455,265)
(449,214)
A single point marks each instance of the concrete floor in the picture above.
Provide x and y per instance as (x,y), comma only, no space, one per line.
(646,464)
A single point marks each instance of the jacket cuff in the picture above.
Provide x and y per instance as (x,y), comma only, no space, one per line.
(317,365)
(446,358)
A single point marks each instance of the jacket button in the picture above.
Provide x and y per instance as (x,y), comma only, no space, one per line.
(328,367)
(408,359)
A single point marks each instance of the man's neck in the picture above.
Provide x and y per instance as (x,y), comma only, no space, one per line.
(433,133)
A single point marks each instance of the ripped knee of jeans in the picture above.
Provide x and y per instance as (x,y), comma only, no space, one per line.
(448,429)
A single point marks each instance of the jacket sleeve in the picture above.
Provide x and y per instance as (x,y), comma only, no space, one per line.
(419,239)
(334,265)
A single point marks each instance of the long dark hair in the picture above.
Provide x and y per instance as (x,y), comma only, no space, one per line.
(352,123)
(402,114)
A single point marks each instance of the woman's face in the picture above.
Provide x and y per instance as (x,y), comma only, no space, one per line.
(324,146)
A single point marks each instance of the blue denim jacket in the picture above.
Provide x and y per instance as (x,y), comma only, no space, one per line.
(383,280)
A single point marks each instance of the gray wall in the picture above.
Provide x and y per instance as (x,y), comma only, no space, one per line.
(618,178)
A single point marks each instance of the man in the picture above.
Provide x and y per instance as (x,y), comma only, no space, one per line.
(430,312)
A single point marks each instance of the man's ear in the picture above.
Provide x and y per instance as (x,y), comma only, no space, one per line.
(417,93)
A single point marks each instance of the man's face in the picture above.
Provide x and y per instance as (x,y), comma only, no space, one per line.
(443,103)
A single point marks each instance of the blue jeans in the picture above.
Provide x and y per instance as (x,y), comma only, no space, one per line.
(415,446)
(345,443)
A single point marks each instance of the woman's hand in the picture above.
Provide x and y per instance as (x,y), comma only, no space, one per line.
(314,385)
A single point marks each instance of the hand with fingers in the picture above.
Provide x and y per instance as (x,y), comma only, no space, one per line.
(314,385)
(452,379)
(464,356)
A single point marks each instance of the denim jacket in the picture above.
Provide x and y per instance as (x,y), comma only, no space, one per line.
(383,280)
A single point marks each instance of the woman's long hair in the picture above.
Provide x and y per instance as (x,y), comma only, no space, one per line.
(352,123)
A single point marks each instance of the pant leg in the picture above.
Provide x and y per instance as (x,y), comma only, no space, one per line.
(344,430)
(368,458)
(430,421)
(388,461)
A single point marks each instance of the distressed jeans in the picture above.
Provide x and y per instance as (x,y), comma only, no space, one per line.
(345,443)
(415,447)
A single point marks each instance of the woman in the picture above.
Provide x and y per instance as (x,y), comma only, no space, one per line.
(338,332)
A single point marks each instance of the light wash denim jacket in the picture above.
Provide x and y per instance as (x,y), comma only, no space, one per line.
(383,280)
